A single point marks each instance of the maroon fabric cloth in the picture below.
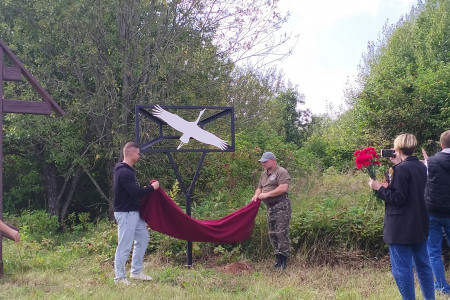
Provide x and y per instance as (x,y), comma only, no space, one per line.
(162,214)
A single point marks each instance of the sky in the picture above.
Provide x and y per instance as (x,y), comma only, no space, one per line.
(333,35)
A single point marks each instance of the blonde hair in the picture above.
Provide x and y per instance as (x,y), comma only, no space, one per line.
(406,142)
(445,139)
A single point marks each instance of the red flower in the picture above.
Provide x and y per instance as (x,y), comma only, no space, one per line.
(367,158)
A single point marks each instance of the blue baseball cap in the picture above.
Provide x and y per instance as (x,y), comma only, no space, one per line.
(266,156)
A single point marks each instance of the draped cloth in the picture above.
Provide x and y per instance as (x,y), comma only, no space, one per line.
(162,214)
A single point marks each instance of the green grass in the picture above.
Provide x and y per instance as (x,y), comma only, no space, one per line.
(91,277)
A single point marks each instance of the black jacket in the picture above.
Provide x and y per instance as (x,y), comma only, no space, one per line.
(406,217)
(437,191)
(127,192)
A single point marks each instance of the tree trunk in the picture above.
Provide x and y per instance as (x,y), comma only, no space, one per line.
(68,200)
(51,188)
(110,172)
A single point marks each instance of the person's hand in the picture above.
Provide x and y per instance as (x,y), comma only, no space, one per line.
(385,184)
(15,235)
(12,234)
(254,198)
(425,156)
(155,185)
(374,184)
(395,159)
(262,196)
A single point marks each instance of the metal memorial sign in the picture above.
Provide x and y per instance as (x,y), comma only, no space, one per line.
(11,69)
(170,129)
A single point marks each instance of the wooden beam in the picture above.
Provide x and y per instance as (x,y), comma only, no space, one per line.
(12,74)
(27,107)
(1,159)
(31,80)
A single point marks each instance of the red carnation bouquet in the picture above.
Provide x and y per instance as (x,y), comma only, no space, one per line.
(367,158)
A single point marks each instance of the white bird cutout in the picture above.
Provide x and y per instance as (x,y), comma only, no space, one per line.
(189,129)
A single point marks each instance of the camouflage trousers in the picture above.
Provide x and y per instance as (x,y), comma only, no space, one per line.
(278,218)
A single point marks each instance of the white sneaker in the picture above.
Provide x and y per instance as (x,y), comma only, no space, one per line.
(123,281)
(140,276)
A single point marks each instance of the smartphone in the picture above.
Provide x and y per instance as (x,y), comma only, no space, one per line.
(387,153)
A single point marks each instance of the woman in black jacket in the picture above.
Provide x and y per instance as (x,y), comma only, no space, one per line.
(406,220)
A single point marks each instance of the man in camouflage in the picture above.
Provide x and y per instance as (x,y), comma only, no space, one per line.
(273,191)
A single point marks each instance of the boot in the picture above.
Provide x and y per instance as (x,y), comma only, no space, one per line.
(277,264)
(282,264)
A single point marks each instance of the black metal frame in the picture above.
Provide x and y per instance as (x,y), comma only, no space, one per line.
(143,109)
(147,147)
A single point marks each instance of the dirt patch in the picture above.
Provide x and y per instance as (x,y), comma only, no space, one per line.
(236,268)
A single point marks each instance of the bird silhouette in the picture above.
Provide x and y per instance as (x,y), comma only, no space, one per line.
(189,129)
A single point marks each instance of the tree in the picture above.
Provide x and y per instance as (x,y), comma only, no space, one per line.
(99,59)
(294,119)
(404,83)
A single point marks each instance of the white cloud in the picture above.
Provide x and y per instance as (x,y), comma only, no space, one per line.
(333,36)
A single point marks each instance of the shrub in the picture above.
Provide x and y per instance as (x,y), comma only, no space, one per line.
(319,233)
(77,222)
(37,224)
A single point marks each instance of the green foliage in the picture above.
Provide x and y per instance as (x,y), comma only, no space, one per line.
(39,250)
(405,86)
(320,233)
(258,246)
(333,142)
(22,184)
(293,118)
(168,247)
(37,225)
(100,59)
(101,239)
(226,255)
(336,213)
(77,222)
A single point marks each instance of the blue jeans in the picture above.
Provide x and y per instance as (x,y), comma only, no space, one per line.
(402,259)
(131,228)
(435,251)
